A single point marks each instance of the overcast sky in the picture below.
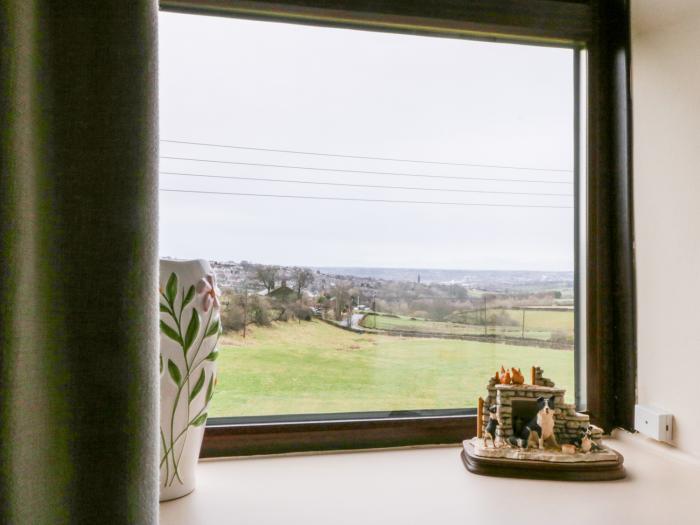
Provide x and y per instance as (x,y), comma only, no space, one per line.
(291,87)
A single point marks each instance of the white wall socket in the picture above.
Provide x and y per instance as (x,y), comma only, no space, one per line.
(653,422)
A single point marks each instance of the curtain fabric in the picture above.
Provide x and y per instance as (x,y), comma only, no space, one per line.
(78,262)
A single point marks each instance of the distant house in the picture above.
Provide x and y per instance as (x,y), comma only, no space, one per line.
(283,293)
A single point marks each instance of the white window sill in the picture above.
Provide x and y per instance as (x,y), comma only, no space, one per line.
(431,486)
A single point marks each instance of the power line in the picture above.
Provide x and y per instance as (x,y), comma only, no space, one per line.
(338,170)
(363,157)
(365,200)
(374,186)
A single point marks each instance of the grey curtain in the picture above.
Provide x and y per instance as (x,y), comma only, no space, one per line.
(78,262)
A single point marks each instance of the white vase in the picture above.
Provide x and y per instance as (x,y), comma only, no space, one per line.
(189,332)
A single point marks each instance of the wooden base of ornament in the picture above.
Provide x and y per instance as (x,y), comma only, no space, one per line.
(529,469)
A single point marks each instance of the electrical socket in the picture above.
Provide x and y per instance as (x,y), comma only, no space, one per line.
(653,422)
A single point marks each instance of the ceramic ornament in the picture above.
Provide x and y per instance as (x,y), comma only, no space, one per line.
(535,434)
(189,332)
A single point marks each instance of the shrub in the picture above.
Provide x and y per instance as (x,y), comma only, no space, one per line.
(501,318)
(259,310)
(238,309)
(302,312)
(559,336)
(232,317)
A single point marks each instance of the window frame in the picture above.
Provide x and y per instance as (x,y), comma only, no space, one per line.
(601,28)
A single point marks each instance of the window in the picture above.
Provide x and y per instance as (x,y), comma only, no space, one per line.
(393,216)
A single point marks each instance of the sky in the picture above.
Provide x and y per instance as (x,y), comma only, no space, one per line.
(448,103)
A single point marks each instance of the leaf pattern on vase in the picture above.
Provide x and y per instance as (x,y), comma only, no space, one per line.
(190,343)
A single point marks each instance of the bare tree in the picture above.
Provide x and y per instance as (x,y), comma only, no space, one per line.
(267,276)
(343,299)
(303,277)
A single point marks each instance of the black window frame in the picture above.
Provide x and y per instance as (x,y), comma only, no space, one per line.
(601,28)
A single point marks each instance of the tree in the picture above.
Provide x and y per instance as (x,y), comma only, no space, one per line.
(343,299)
(241,309)
(440,309)
(267,276)
(303,277)
(259,309)
(458,291)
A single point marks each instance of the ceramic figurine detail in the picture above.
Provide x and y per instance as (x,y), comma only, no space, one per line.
(568,449)
(517,376)
(540,429)
(491,426)
(545,420)
(584,441)
(190,328)
(505,376)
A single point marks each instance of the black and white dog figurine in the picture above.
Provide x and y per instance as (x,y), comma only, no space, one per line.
(584,441)
(540,429)
(491,426)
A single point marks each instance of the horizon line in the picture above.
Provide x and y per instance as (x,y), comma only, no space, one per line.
(389,267)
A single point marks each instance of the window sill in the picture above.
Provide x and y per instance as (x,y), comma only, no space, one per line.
(430,485)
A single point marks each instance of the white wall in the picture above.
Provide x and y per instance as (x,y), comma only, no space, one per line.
(666,102)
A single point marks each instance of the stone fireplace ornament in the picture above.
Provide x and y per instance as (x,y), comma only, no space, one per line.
(535,434)
(189,332)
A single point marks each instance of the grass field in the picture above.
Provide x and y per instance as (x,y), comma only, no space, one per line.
(538,324)
(312,367)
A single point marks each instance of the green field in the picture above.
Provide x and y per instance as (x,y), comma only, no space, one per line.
(313,367)
(539,324)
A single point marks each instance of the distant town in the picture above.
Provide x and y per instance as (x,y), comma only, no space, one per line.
(244,274)
(522,305)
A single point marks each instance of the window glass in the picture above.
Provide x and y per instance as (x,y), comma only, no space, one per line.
(391,217)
